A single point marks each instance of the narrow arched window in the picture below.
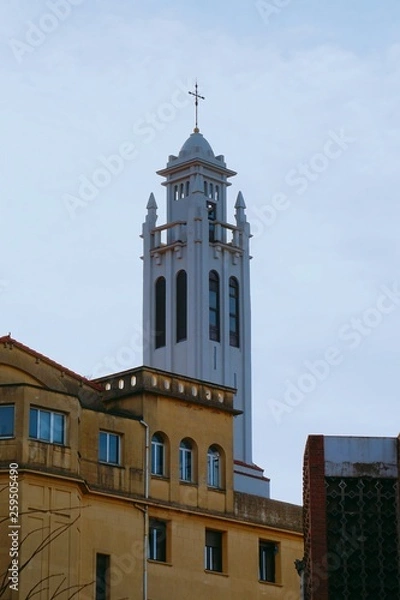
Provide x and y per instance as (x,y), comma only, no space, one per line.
(205,188)
(157,455)
(217,193)
(213,467)
(185,461)
(182,190)
(181,306)
(176,195)
(160,313)
(212,216)
(211,191)
(234,312)
(187,188)
(214,316)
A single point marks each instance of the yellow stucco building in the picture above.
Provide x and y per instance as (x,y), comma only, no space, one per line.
(108,491)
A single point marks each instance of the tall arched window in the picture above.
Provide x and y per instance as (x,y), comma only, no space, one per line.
(187,188)
(211,191)
(176,193)
(157,455)
(213,467)
(205,188)
(234,312)
(181,306)
(216,193)
(182,191)
(214,317)
(160,313)
(185,461)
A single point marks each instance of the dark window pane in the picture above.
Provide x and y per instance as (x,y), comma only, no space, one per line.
(102,576)
(181,306)
(213,551)
(160,334)
(213,299)
(157,540)
(33,420)
(233,312)
(6,421)
(232,325)
(103,446)
(214,316)
(267,552)
(113,448)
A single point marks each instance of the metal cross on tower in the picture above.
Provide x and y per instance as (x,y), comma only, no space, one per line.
(197,96)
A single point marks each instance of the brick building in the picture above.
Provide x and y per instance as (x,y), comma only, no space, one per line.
(351,518)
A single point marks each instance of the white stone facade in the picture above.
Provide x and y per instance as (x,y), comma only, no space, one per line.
(211,344)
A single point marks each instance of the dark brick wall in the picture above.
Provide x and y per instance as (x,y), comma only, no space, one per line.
(314,521)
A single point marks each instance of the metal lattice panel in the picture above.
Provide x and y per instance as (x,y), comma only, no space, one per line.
(363,538)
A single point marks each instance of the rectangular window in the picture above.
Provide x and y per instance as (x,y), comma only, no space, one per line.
(109,447)
(213,551)
(47,426)
(157,540)
(267,554)
(102,576)
(7,421)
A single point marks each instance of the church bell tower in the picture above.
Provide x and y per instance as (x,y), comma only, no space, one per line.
(196,304)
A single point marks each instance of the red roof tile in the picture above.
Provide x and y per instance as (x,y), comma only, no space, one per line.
(7,339)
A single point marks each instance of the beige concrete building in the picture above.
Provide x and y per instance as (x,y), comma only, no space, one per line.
(125,490)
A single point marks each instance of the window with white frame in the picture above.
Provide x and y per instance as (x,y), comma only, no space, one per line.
(213,551)
(213,467)
(6,421)
(109,447)
(267,556)
(185,461)
(157,540)
(47,426)
(157,455)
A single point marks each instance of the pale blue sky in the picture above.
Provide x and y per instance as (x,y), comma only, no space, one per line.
(277,94)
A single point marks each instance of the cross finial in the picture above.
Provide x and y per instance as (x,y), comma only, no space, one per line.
(196,103)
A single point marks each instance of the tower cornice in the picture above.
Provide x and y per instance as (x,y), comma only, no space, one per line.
(170,170)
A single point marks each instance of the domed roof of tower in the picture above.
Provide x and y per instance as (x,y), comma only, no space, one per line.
(196,145)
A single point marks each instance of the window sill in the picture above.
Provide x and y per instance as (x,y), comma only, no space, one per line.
(154,561)
(211,488)
(7,437)
(191,483)
(58,444)
(273,583)
(110,464)
(159,477)
(220,573)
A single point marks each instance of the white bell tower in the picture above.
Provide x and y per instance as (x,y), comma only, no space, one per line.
(196,304)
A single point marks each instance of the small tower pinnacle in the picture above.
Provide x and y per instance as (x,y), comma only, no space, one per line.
(196,103)
(152,204)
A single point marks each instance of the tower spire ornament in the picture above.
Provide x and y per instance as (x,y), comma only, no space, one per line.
(196,103)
